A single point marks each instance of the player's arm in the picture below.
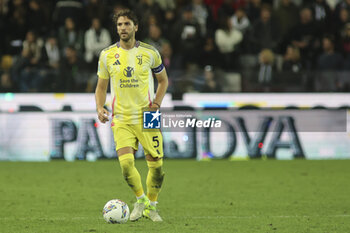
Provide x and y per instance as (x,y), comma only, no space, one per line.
(100,96)
(162,78)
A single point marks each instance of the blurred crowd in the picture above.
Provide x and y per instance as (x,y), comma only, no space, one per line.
(206,45)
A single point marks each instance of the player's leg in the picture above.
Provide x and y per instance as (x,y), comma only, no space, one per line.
(133,179)
(155,177)
(152,143)
(127,144)
(129,171)
(154,183)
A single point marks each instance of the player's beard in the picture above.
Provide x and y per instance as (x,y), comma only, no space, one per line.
(126,39)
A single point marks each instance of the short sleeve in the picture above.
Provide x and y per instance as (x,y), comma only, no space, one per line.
(157,66)
(102,71)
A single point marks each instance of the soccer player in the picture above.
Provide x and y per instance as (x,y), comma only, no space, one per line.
(128,65)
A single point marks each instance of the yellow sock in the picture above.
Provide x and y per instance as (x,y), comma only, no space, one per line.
(154,179)
(130,173)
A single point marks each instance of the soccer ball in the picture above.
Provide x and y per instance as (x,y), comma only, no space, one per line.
(116,211)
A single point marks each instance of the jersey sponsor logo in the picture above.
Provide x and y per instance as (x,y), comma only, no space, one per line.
(152,119)
(128,71)
(139,58)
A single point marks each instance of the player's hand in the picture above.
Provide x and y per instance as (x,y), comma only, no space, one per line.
(103,115)
(155,106)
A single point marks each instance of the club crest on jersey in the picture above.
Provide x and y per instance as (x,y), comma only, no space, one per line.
(128,71)
(139,58)
(116,55)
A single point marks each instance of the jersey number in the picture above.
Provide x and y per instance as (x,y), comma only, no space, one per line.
(155,139)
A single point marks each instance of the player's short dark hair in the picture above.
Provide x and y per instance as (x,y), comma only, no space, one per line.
(126,13)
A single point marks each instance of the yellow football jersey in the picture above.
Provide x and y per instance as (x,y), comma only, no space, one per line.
(131,79)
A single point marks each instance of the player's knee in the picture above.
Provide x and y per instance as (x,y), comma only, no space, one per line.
(126,166)
(155,163)
(126,163)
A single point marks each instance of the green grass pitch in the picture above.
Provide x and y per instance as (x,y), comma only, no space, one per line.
(218,196)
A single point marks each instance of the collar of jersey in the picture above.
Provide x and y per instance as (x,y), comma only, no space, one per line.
(137,44)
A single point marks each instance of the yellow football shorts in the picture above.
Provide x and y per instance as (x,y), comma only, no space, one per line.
(129,135)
